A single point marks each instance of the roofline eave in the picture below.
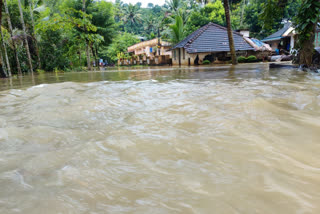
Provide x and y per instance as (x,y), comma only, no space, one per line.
(272,39)
(194,52)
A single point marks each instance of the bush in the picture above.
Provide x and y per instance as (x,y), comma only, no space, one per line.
(241,59)
(206,62)
(251,59)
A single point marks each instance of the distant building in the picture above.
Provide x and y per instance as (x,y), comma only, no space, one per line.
(211,42)
(285,38)
(148,53)
(244,32)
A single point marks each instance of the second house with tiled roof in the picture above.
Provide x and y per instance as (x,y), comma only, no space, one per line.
(209,42)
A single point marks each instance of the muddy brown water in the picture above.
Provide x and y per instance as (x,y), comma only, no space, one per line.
(222,139)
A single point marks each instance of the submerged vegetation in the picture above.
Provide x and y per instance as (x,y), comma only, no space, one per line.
(71,34)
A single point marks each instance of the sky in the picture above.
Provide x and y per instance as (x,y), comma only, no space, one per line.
(144,2)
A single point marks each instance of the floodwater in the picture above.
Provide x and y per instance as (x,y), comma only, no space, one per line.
(221,139)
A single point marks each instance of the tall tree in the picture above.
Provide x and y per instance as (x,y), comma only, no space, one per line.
(25,37)
(87,41)
(2,62)
(306,23)
(11,35)
(230,33)
(132,16)
(33,32)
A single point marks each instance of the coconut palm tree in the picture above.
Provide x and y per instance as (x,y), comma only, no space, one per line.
(174,5)
(11,34)
(132,15)
(149,23)
(230,33)
(25,37)
(177,30)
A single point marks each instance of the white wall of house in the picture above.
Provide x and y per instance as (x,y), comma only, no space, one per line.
(292,43)
(245,33)
(186,56)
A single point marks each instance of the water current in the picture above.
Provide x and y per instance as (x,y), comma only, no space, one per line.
(222,139)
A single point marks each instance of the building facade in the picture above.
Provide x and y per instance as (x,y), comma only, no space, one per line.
(285,38)
(211,43)
(148,53)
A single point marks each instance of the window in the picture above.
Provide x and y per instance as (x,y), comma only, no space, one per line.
(184,53)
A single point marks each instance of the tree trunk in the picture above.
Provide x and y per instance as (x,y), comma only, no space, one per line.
(94,56)
(307,49)
(3,73)
(97,55)
(34,33)
(87,42)
(230,33)
(6,54)
(25,37)
(88,56)
(3,64)
(13,42)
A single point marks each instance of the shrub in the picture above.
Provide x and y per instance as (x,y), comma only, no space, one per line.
(241,59)
(251,59)
(206,62)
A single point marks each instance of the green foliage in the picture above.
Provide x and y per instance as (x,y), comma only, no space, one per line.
(271,13)
(132,16)
(119,45)
(215,12)
(251,59)
(212,12)
(64,34)
(242,59)
(306,19)
(177,30)
(206,62)
(102,18)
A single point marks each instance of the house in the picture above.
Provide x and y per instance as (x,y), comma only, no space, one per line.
(209,42)
(148,53)
(285,38)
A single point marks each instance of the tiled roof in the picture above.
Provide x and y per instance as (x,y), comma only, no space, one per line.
(212,38)
(278,35)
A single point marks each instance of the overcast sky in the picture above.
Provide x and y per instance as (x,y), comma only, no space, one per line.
(144,2)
